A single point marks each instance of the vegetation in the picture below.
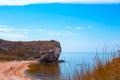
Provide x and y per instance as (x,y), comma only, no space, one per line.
(105,68)
(29,50)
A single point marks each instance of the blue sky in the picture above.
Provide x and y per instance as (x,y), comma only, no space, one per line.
(79,27)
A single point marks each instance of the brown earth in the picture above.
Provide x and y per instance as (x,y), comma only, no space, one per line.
(14,70)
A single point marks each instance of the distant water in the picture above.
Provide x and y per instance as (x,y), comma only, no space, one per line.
(52,71)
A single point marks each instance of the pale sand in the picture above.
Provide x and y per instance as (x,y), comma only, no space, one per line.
(14,70)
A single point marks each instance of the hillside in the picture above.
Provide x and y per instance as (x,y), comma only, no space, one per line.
(30,50)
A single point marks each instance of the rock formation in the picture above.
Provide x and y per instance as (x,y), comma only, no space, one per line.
(46,51)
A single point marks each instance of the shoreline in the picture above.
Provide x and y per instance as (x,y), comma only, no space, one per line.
(14,70)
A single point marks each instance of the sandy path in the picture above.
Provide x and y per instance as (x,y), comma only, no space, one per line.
(14,70)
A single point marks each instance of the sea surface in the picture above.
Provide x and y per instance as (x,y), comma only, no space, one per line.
(73,61)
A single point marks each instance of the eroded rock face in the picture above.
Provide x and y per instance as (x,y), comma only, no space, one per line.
(46,51)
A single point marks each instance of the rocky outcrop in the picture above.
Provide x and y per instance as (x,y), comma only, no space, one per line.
(46,51)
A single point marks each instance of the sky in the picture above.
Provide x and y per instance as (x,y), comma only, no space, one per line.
(79,25)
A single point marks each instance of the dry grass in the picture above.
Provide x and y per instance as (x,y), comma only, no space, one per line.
(107,68)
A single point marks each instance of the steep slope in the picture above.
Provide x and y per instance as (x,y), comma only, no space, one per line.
(46,51)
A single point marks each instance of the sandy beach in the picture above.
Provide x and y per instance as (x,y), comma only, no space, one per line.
(14,70)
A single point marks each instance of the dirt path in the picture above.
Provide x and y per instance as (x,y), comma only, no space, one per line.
(14,70)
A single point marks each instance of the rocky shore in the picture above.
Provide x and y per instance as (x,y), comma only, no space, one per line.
(46,51)
(15,56)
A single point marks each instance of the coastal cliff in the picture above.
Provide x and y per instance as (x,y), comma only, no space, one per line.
(46,51)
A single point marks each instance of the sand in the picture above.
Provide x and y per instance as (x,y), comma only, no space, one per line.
(14,70)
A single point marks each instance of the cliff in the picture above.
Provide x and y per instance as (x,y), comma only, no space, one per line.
(46,51)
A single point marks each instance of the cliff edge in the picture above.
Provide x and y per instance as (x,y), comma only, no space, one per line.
(46,51)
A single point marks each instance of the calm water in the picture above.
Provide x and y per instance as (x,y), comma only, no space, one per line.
(52,71)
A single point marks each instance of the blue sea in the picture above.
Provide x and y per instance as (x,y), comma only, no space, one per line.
(73,61)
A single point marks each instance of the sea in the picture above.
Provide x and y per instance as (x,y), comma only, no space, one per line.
(73,61)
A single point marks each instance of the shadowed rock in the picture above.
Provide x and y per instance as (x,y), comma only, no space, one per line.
(46,51)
